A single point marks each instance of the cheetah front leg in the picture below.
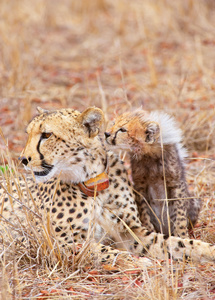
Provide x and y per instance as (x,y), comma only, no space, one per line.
(143,209)
(141,242)
(179,210)
(186,209)
(159,246)
(128,233)
(193,210)
(115,257)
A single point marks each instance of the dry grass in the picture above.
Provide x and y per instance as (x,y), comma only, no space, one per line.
(117,55)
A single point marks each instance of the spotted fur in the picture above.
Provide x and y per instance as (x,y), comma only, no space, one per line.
(63,149)
(153,141)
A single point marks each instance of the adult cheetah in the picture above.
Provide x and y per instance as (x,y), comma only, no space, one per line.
(68,160)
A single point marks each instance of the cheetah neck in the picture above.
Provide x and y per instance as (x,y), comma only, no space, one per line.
(94,185)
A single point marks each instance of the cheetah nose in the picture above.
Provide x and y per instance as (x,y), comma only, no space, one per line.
(107,135)
(24,160)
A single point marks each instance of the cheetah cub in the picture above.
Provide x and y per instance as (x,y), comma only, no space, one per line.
(153,141)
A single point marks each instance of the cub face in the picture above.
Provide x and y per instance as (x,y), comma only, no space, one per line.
(133,132)
(65,143)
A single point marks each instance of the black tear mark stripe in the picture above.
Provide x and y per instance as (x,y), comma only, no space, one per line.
(38,149)
(115,136)
(47,167)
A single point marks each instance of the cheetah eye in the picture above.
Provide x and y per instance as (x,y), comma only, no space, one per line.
(46,135)
(122,129)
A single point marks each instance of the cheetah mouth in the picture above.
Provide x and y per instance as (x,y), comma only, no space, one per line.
(113,145)
(46,169)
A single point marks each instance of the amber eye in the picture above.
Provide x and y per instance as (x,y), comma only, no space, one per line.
(46,135)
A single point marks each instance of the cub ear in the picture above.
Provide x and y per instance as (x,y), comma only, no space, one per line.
(41,110)
(152,132)
(92,120)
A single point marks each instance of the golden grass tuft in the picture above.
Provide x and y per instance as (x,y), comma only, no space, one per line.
(199,131)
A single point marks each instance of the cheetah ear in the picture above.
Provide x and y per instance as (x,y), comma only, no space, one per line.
(152,132)
(41,110)
(92,120)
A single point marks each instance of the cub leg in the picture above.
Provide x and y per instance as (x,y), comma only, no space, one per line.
(143,208)
(179,210)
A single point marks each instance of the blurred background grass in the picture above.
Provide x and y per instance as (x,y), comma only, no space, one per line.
(113,54)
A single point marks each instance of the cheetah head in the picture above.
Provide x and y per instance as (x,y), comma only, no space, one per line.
(133,132)
(65,143)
